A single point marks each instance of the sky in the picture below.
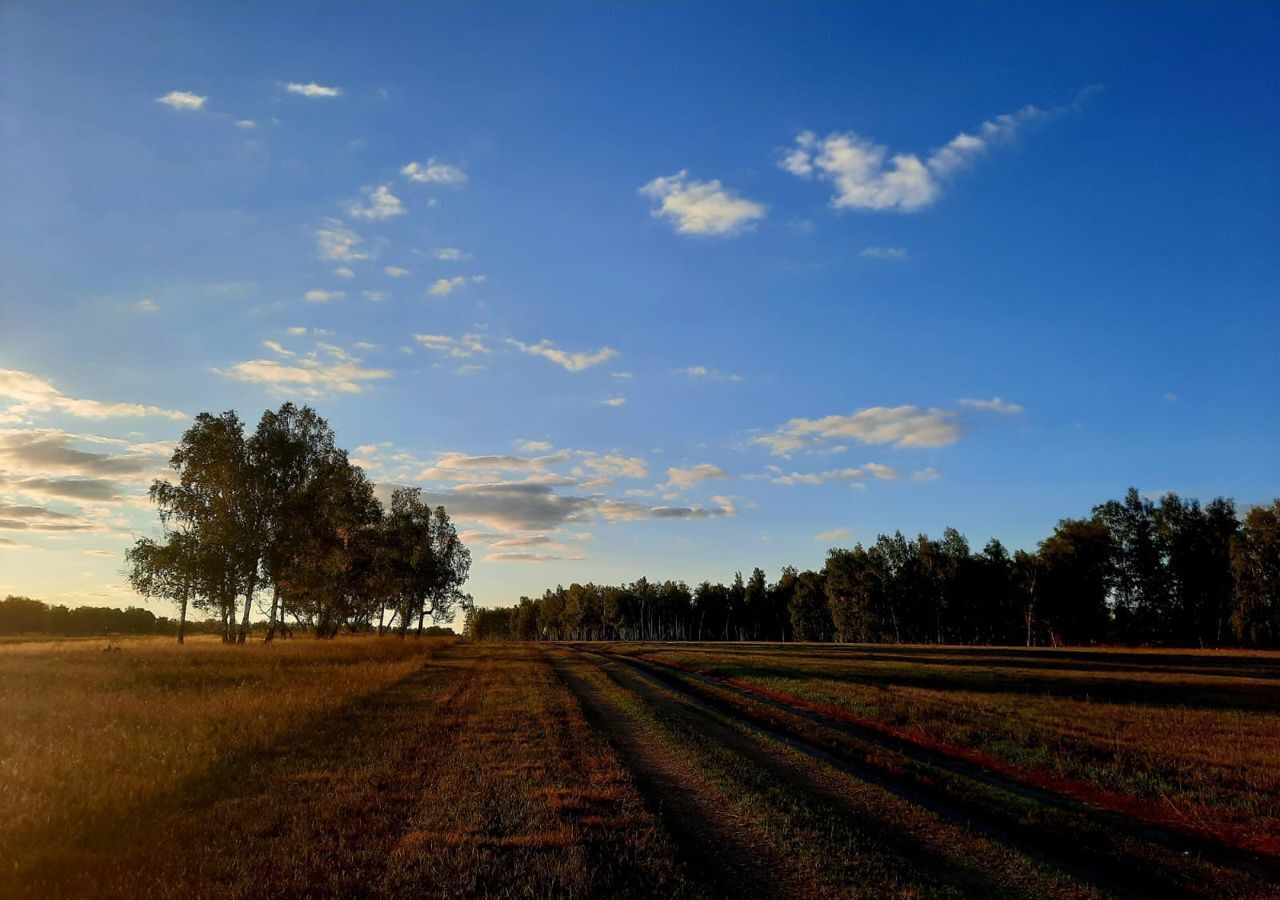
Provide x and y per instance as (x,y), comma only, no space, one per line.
(640,289)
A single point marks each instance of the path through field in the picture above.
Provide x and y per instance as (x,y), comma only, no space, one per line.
(858,808)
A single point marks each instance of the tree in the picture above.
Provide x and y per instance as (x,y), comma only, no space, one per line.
(1078,571)
(1255,563)
(756,602)
(426,562)
(171,570)
(1142,596)
(810,619)
(217,501)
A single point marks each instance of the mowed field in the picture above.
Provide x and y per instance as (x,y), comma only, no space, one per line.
(365,767)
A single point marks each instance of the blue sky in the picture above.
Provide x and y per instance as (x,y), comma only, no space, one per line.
(641,289)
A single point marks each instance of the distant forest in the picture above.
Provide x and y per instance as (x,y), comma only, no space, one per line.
(1172,573)
(22,615)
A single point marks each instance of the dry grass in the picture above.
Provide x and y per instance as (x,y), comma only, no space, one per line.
(1199,732)
(352,768)
(90,740)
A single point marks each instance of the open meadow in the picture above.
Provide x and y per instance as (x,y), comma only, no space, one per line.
(379,767)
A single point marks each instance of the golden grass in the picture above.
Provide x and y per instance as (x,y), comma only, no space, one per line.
(357,767)
(90,739)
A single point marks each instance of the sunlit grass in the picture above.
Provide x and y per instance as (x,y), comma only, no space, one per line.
(89,738)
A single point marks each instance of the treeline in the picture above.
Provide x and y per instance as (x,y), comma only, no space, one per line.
(282,514)
(23,615)
(1172,573)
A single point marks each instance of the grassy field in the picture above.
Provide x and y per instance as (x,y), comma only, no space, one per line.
(379,767)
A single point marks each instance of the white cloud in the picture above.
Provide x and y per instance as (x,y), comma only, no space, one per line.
(311,89)
(434,172)
(339,243)
(297,330)
(459,348)
(614,465)
(884,473)
(443,287)
(382,204)
(706,372)
(894,253)
(467,467)
(451,254)
(34,394)
(866,176)
(898,426)
(344,272)
(701,207)
(397,271)
(534,446)
(836,534)
(683,478)
(324,296)
(146,305)
(374,296)
(995,405)
(323,372)
(613,401)
(246,123)
(573,362)
(182,100)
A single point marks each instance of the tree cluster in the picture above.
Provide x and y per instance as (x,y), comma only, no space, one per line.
(1172,573)
(283,512)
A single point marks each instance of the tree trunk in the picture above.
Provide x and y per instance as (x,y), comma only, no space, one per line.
(182,616)
(248,604)
(275,605)
(382,611)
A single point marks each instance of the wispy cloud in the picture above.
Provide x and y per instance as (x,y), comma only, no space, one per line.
(451,254)
(146,305)
(459,348)
(995,405)
(397,271)
(311,89)
(323,372)
(382,204)
(338,243)
(683,478)
(33,394)
(703,208)
(434,172)
(894,253)
(707,372)
(836,534)
(874,470)
(182,100)
(898,426)
(570,361)
(613,401)
(866,176)
(323,296)
(443,287)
